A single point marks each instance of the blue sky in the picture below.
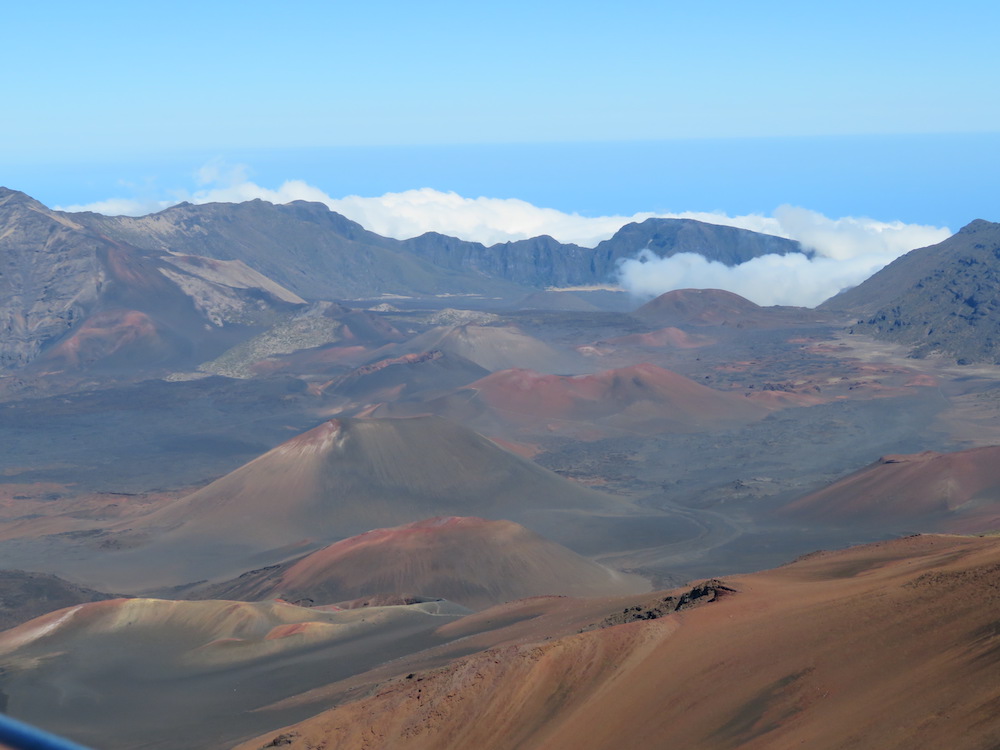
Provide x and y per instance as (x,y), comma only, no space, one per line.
(115,76)
(884,109)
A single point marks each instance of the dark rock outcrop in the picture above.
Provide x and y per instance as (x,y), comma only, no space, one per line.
(543,261)
(703,593)
(25,596)
(943,298)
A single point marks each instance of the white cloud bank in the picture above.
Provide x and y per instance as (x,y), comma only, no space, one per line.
(846,250)
(402,215)
(768,280)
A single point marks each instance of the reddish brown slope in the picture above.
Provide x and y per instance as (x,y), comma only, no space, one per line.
(340,479)
(699,306)
(155,309)
(470,561)
(717,307)
(642,398)
(891,645)
(940,488)
(114,337)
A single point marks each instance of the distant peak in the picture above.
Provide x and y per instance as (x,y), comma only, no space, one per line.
(310,204)
(977,225)
(706,296)
(317,440)
(15,196)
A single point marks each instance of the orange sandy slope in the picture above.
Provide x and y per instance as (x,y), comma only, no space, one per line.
(891,645)
(471,561)
(901,488)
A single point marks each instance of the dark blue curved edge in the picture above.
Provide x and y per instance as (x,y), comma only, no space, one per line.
(20,736)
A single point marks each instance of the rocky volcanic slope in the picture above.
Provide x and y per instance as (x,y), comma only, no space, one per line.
(321,324)
(338,480)
(469,561)
(72,295)
(666,237)
(317,252)
(935,490)
(717,307)
(942,298)
(888,645)
(308,248)
(542,261)
(642,399)
(147,285)
(891,645)
(50,276)
(129,673)
(764,666)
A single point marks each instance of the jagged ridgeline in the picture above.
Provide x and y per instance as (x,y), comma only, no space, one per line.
(186,284)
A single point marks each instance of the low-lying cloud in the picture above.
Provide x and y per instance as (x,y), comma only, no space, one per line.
(405,214)
(792,279)
(845,251)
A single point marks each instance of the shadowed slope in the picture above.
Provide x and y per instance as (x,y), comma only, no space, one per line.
(469,561)
(130,673)
(890,645)
(25,595)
